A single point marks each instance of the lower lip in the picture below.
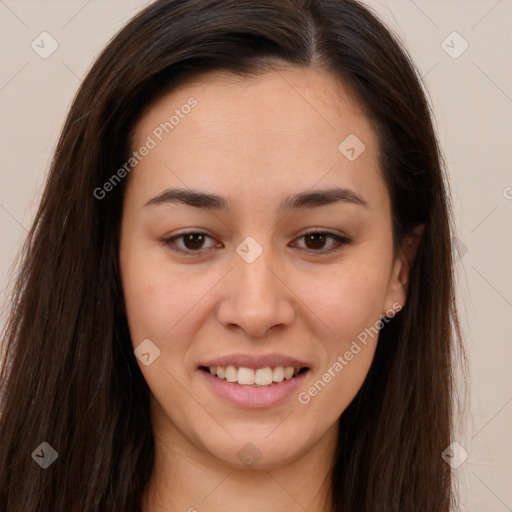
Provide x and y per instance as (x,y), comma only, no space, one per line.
(257,396)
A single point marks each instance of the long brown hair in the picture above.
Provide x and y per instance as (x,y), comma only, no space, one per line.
(70,377)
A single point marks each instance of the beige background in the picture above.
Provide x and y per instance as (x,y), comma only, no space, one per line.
(472,100)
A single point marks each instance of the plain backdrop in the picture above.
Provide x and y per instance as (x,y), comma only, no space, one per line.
(469,80)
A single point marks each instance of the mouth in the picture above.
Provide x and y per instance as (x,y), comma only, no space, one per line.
(268,376)
(261,387)
(249,377)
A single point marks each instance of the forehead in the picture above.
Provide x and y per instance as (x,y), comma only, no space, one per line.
(281,130)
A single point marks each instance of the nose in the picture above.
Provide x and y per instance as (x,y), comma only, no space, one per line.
(257,297)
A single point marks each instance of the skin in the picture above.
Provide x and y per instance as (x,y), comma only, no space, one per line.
(254,141)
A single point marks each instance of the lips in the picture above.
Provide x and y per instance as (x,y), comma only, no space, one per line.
(253,395)
(254,381)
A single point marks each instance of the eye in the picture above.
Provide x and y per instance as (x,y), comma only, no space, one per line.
(193,242)
(317,239)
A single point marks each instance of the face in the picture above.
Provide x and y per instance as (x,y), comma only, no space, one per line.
(289,263)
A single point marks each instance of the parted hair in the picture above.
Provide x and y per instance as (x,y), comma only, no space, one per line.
(69,376)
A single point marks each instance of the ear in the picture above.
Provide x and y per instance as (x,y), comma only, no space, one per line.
(398,285)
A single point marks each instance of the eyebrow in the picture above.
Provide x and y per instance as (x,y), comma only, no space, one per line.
(300,200)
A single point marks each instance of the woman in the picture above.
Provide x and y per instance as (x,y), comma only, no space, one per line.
(238,291)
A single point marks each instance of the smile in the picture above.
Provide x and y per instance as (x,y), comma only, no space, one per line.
(276,384)
(243,376)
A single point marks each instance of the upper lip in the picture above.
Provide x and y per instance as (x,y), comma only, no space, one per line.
(256,361)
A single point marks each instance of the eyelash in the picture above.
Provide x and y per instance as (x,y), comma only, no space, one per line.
(340,241)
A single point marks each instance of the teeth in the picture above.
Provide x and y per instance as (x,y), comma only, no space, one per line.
(278,374)
(231,374)
(247,376)
(263,376)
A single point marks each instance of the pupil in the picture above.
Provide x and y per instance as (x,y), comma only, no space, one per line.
(317,238)
(194,237)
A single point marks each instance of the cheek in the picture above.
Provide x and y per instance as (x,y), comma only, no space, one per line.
(349,299)
(350,304)
(155,299)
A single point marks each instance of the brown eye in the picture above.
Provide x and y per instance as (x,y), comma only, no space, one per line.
(315,241)
(192,243)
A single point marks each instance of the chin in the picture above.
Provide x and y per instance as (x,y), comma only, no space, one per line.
(258,451)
